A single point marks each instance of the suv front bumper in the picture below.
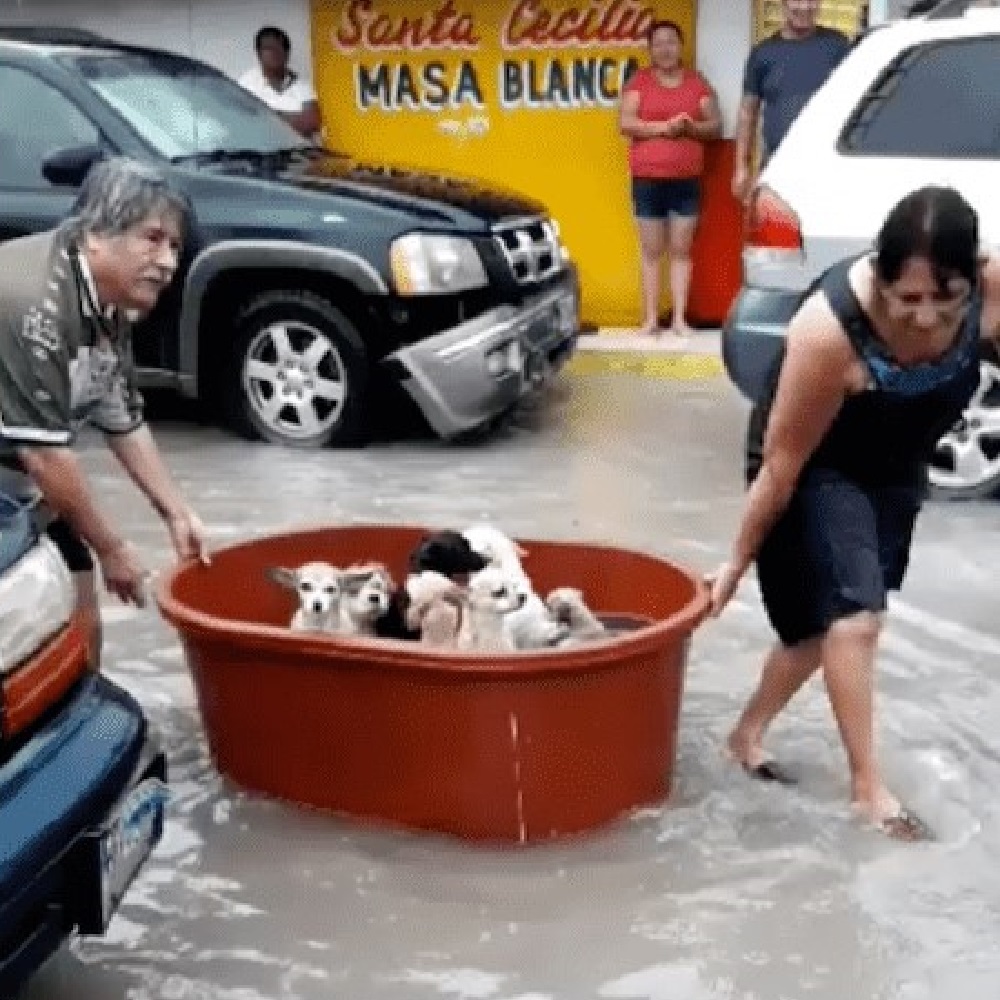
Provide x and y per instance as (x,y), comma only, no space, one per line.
(466,376)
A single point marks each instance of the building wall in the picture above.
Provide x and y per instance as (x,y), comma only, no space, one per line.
(218,31)
(723,41)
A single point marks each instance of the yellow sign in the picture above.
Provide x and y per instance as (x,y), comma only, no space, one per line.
(520,92)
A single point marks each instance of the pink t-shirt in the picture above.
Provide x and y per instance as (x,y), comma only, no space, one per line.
(667,158)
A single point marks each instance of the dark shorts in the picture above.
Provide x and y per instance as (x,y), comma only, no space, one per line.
(837,550)
(73,548)
(660,199)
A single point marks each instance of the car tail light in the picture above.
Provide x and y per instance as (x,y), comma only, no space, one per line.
(771,224)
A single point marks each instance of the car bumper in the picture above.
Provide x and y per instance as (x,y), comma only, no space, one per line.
(61,795)
(462,378)
(753,336)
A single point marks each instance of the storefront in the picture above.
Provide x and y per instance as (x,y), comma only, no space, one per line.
(522,93)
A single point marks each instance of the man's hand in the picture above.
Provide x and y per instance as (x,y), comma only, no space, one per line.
(742,183)
(187,534)
(123,572)
(141,458)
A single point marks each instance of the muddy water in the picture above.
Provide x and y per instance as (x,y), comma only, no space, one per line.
(730,890)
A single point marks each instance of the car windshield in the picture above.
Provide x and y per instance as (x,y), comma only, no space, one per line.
(186,109)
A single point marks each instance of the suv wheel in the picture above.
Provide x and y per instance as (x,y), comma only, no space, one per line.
(966,465)
(298,374)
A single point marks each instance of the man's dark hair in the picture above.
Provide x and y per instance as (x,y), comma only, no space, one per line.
(935,223)
(660,25)
(275,33)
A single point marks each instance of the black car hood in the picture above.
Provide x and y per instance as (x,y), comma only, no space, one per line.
(452,200)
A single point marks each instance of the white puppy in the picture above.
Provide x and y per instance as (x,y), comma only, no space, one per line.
(436,609)
(568,606)
(366,595)
(317,586)
(532,626)
(491,597)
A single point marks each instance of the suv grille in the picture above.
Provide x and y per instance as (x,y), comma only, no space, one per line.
(531,248)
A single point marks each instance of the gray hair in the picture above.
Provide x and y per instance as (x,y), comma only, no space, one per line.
(120,193)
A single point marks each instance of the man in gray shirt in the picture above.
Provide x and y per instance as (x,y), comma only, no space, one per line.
(781,74)
(68,299)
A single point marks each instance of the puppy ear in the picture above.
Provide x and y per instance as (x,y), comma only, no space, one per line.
(520,551)
(474,562)
(286,578)
(354,579)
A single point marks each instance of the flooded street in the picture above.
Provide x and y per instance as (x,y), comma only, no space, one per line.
(731,890)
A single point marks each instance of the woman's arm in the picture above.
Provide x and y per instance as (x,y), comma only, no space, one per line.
(307,121)
(631,125)
(991,307)
(709,125)
(810,392)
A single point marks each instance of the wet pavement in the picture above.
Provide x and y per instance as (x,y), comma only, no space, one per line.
(730,890)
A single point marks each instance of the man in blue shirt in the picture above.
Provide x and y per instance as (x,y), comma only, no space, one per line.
(781,74)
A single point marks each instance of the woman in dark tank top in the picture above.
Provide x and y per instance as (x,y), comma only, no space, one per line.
(879,362)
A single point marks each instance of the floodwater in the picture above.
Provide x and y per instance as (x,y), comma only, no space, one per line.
(730,890)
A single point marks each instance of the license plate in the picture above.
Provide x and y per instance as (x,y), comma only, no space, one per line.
(128,840)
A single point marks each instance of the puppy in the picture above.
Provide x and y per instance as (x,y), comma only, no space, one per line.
(496,548)
(366,596)
(447,553)
(532,626)
(567,606)
(491,596)
(317,586)
(436,609)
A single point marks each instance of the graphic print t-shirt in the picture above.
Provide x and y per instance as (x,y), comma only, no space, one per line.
(54,375)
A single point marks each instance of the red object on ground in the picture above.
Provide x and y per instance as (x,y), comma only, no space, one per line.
(508,749)
(717,255)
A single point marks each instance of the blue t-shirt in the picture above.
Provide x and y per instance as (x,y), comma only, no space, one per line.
(783,73)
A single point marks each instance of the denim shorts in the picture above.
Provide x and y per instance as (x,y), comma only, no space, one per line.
(837,550)
(655,198)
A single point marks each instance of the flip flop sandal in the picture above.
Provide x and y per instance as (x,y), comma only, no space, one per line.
(769,770)
(905,826)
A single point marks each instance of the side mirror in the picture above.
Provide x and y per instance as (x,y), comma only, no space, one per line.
(68,167)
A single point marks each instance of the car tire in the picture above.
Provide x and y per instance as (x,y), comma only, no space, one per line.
(298,374)
(966,465)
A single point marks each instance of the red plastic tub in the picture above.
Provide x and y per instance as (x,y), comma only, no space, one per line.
(516,748)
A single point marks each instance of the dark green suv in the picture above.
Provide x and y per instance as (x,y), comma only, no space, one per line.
(315,286)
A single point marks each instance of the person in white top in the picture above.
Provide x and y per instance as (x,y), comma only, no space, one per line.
(280,87)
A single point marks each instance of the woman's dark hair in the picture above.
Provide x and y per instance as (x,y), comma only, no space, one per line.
(660,25)
(935,223)
(270,31)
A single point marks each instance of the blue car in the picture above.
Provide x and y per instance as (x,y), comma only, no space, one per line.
(82,777)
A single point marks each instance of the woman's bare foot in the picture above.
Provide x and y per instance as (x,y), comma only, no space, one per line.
(650,329)
(681,331)
(748,752)
(887,814)
(745,750)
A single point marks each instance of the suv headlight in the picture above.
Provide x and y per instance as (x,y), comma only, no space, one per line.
(423,264)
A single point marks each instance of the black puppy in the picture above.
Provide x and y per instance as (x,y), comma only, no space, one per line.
(446,552)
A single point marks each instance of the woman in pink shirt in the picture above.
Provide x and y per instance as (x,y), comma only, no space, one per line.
(668,112)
